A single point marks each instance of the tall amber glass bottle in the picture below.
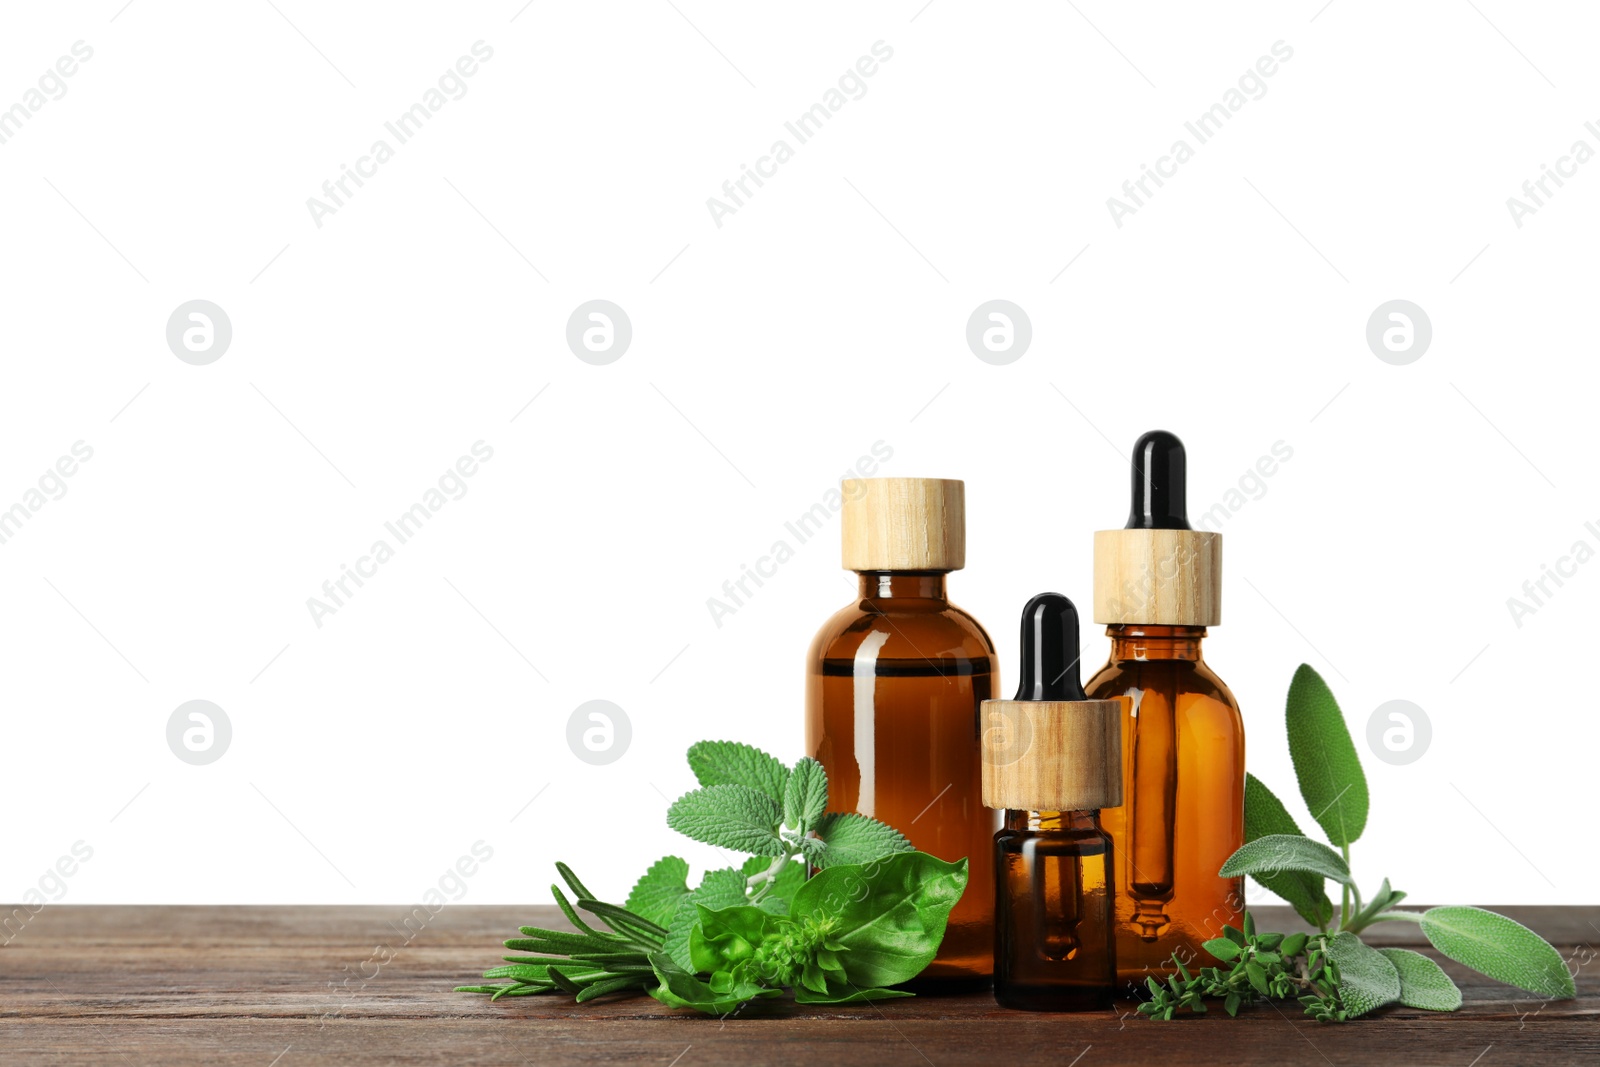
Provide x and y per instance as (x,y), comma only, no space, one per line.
(1157,588)
(893,686)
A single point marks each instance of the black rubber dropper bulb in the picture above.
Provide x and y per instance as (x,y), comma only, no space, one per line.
(1050,650)
(1159,497)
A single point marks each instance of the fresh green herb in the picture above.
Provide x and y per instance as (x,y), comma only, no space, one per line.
(1333,973)
(871,918)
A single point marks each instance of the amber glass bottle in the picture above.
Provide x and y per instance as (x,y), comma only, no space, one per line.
(1052,759)
(893,685)
(1055,945)
(1157,586)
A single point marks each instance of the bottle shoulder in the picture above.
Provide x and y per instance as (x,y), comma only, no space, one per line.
(1194,677)
(914,629)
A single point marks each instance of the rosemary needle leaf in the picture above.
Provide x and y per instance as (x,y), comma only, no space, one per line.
(613,985)
(571,879)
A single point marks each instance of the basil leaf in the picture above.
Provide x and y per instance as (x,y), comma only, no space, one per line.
(722,888)
(887,917)
(680,989)
(723,939)
(845,994)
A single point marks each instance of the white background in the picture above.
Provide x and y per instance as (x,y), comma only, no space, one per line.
(768,354)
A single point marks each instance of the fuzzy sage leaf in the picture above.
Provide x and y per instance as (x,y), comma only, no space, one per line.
(1501,948)
(1423,983)
(1277,853)
(1265,815)
(1325,760)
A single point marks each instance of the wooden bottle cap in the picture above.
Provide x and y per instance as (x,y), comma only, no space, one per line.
(904,524)
(1052,755)
(1158,577)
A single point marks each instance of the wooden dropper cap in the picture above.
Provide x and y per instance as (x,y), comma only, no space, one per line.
(1157,571)
(1051,748)
(904,524)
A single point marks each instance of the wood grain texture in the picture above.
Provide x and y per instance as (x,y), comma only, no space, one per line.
(903,524)
(1157,577)
(1052,755)
(280,987)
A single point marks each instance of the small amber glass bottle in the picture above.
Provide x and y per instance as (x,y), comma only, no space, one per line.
(1052,759)
(1157,587)
(893,685)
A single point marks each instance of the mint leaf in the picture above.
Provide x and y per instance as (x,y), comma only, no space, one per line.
(1367,979)
(1423,984)
(1264,814)
(1276,853)
(1325,760)
(733,763)
(656,894)
(846,837)
(1499,947)
(730,816)
(806,796)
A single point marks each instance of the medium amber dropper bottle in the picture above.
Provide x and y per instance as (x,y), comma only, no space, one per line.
(1052,759)
(893,685)
(1157,586)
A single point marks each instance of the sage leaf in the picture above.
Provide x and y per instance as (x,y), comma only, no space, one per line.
(730,816)
(1423,983)
(655,896)
(734,763)
(1499,947)
(886,917)
(850,838)
(1276,853)
(806,796)
(1367,979)
(1325,760)
(1264,814)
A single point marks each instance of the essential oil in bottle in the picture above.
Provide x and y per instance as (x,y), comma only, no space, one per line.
(893,685)
(1052,759)
(1157,587)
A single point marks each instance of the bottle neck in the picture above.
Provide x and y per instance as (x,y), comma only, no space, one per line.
(1140,642)
(902,585)
(1053,821)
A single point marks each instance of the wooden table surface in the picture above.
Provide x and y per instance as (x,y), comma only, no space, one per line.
(284,986)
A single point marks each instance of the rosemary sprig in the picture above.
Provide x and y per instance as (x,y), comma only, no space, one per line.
(588,964)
